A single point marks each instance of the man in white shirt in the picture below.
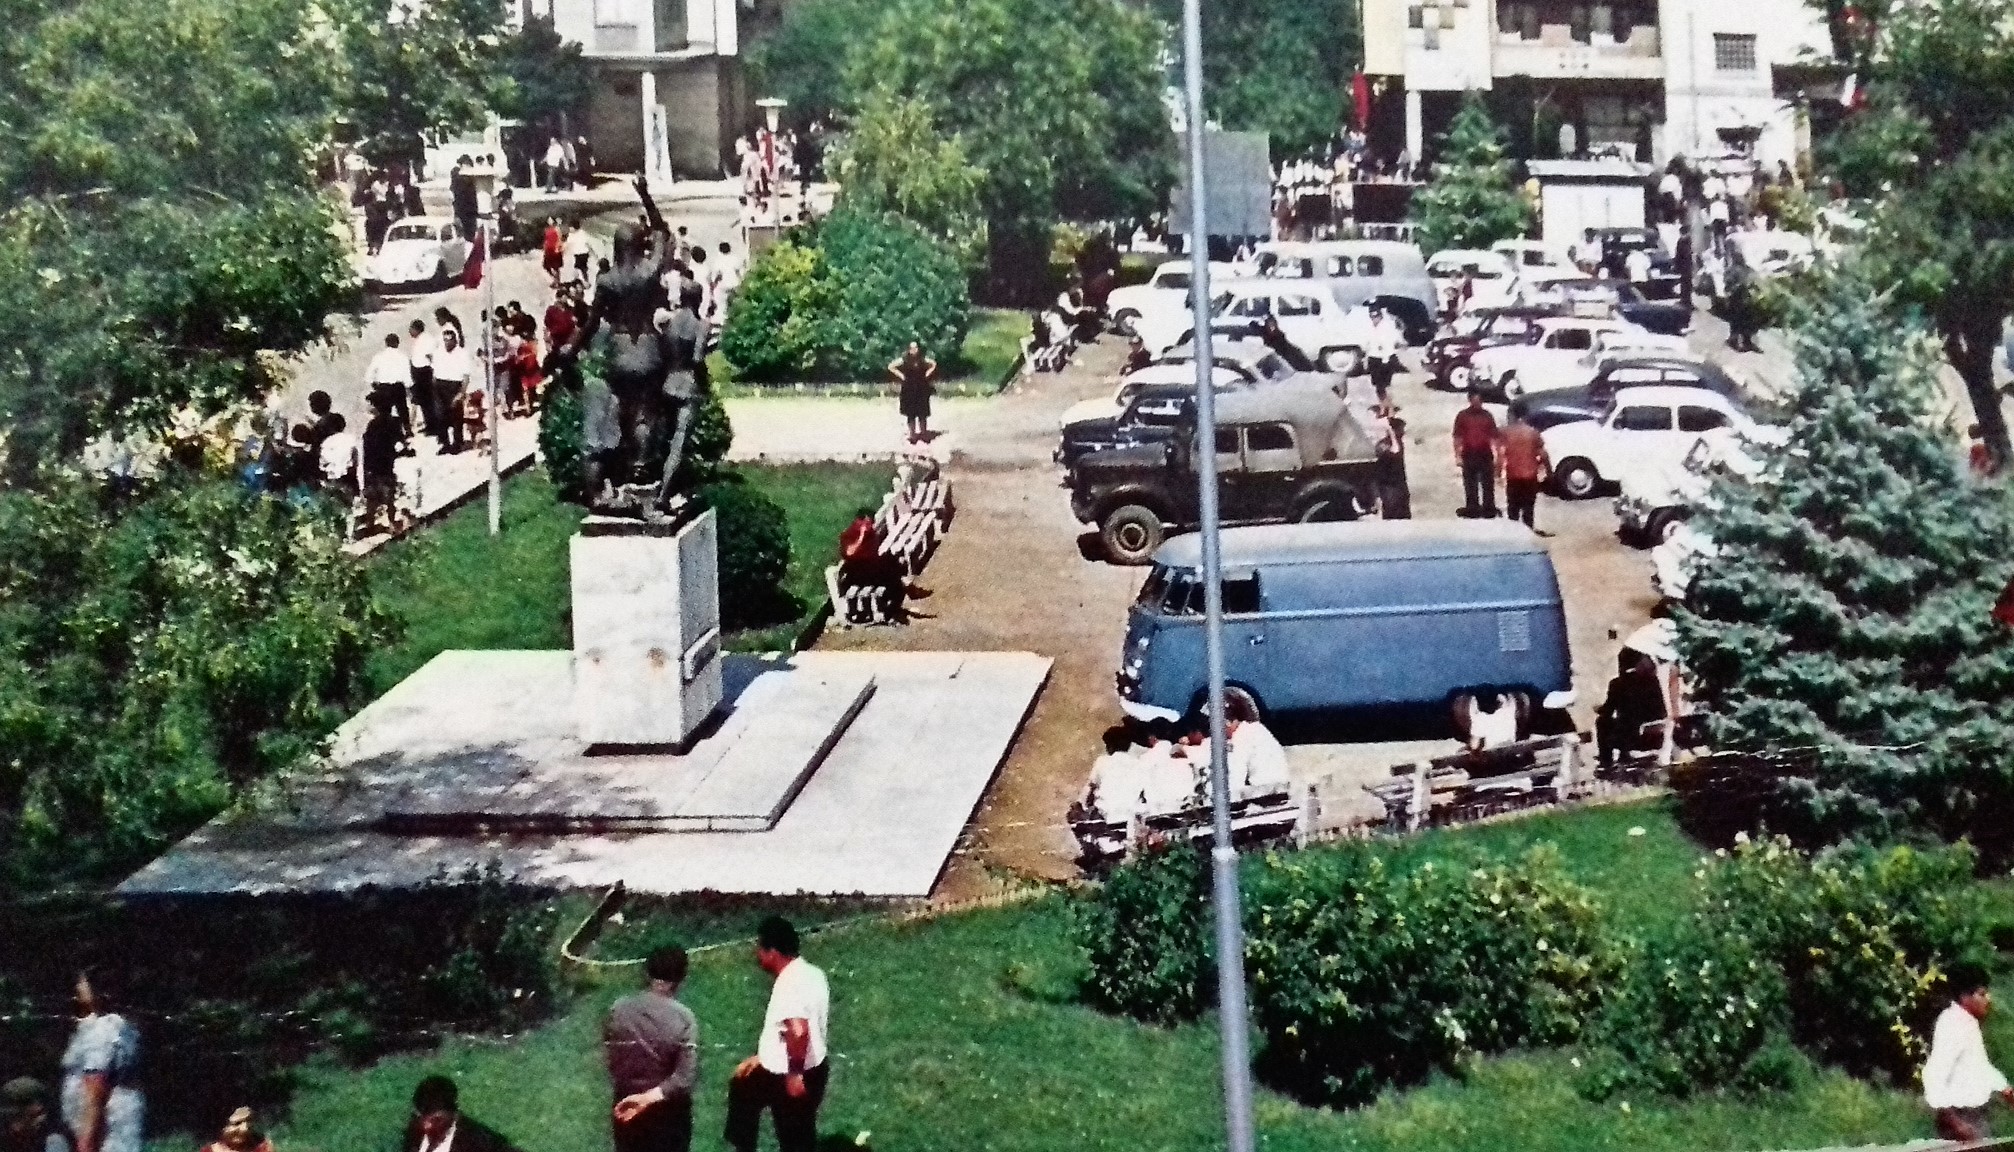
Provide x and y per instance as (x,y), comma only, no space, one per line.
(388,378)
(787,1074)
(1958,1079)
(1381,351)
(452,369)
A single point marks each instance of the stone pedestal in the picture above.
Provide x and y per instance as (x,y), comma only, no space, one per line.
(646,630)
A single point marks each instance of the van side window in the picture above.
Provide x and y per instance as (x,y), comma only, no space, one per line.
(1241,594)
(1271,437)
(1370,265)
(1339,266)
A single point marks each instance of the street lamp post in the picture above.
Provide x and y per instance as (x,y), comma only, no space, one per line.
(1231,1009)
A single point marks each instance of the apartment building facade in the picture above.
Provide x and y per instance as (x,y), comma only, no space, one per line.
(1656,77)
(668,80)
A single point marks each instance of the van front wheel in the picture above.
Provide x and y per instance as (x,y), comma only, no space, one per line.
(1131,534)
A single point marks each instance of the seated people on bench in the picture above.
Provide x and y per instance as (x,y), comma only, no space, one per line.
(1254,758)
(1492,721)
(862,564)
(1631,719)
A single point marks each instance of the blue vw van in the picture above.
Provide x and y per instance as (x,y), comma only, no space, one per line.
(1364,613)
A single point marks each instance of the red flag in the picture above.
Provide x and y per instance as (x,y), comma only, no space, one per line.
(1360,95)
(472,272)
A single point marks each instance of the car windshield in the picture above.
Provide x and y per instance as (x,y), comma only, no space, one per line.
(410,232)
(1174,591)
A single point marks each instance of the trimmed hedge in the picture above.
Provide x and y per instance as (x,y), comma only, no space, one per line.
(839,300)
(1147,935)
(754,554)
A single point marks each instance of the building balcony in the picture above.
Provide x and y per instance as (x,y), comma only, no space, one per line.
(1556,54)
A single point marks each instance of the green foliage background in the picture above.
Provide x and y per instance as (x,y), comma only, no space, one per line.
(840,300)
(1472,201)
(1282,67)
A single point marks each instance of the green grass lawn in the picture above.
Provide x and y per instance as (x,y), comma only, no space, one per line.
(457,587)
(958,1034)
(979,369)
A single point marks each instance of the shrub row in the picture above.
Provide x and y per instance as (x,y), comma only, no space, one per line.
(1365,975)
(839,300)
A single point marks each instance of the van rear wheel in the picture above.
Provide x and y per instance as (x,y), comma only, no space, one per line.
(1131,534)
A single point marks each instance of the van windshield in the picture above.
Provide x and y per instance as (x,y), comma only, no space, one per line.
(1172,592)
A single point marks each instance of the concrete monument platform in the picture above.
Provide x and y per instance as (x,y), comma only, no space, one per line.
(737,777)
(880,815)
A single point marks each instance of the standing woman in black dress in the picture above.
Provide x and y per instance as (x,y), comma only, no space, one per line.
(916,373)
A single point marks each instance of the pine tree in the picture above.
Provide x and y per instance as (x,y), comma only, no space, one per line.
(1846,631)
(1472,201)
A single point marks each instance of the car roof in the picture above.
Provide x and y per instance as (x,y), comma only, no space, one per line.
(429,221)
(1355,541)
(1638,359)
(1241,349)
(1548,323)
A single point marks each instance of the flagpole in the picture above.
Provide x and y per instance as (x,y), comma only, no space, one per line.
(495,414)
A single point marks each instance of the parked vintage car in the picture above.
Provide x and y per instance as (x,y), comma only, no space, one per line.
(1389,273)
(1490,276)
(1594,296)
(1321,617)
(1664,277)
(1653,502)
(1307,310)
(1147,404)
(1166,290)
(1551,354)
(418,250)
(1630,369)
(1286,452)
(1652,426)
(1447,357)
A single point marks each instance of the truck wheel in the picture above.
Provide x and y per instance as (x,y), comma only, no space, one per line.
(1131,534)
(1327,505)
(1577,479)
(1662,525)
(1125,320)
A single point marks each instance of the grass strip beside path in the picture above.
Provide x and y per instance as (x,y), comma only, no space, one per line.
(991,347)
(457,587)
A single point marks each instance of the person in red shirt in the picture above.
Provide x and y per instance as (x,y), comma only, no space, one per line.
(1525,467)
(1475,443)
(862,564)
(554,250)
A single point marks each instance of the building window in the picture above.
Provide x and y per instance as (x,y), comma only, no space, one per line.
(1733,53)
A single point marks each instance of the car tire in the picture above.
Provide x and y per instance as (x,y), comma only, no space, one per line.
(1344,361)
(1326,506)
(1459,377)
(1511,388)
(1125,322)
(1576,479)
(1662,524)
(1131,534)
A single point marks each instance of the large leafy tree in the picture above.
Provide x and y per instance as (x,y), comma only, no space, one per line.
(1846,631)
(1281,67)
(895,160)
(1935,146)
(1059,102)
(161,239)
(803,59)
(1472,201)
(418,66)
(544,76)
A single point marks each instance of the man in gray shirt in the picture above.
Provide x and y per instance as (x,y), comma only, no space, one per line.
(651,1043)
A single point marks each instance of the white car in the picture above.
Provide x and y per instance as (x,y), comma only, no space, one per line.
(1676,560)
(1491,276)
(1534,257)
(1609,344)
(1656,500)
(1167,289)
(1239,363)
(419,250)
(1550,357)
(1651,426)
(1309,316)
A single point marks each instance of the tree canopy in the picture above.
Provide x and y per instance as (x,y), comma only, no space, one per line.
(1935,145)
(1472,201)
(1846,629)
(1058,101)
(1281,67)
